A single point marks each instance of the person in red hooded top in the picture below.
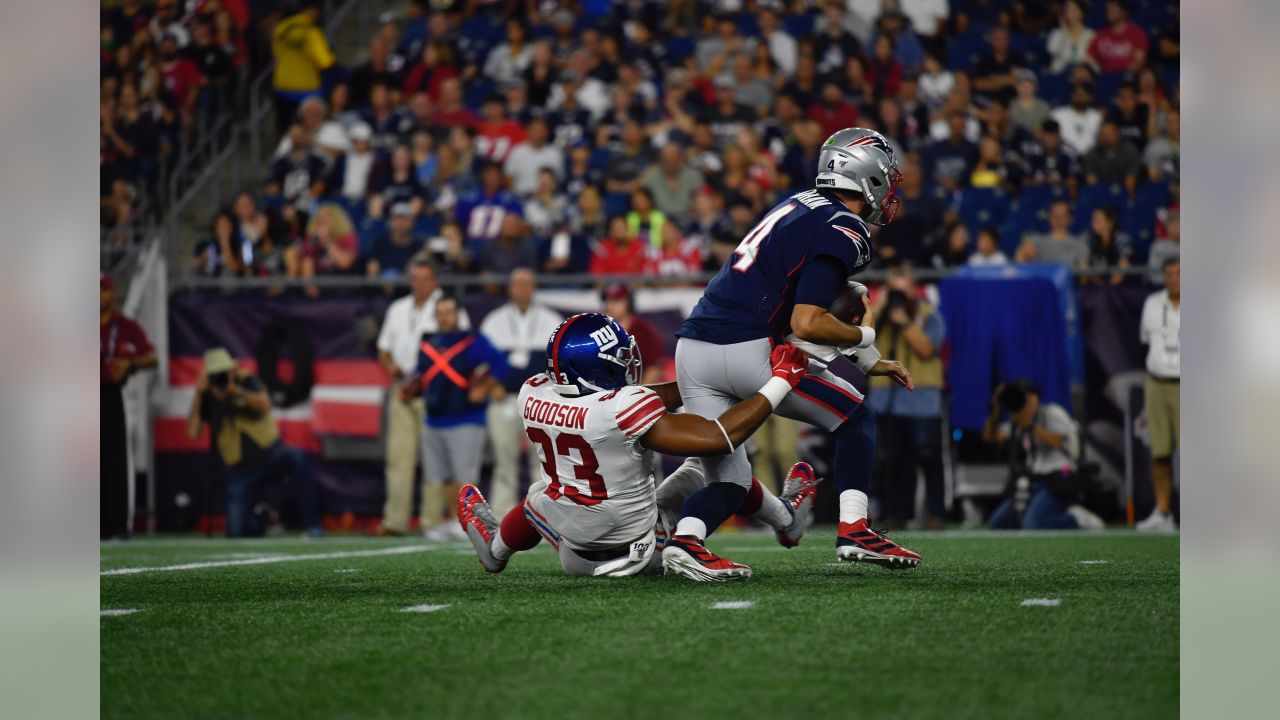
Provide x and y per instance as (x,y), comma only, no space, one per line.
(123,349)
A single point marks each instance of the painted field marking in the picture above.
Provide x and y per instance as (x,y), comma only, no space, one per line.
(1094,562)
(423,608)
(1041,602)
(117,612)
(347,571)
(733,604)
(401,550)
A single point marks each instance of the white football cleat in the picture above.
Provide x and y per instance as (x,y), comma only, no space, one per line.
(1157,522)
(686,555)
(1086,518)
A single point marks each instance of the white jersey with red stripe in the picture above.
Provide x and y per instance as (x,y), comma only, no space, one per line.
(598,489)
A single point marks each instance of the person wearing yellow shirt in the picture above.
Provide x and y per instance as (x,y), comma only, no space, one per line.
(302,53)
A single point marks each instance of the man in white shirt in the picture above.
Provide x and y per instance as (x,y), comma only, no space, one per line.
(1079,121)
(782,47)
(527,159)
(402,328)
(521,329)
(1160,332)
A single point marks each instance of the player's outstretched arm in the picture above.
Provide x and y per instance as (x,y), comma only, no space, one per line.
(696,436)
(669,392)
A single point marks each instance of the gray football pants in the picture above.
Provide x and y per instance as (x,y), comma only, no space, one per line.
(713,377)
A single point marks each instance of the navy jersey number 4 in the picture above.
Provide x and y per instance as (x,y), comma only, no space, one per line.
(754,293)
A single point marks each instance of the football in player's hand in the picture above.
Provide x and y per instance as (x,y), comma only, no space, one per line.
(851,304)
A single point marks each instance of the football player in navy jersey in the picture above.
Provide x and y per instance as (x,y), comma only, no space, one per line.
(778,285)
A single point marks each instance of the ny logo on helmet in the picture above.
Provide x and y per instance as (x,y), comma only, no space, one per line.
(605,337)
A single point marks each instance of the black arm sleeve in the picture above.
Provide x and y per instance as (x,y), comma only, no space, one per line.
(820,282)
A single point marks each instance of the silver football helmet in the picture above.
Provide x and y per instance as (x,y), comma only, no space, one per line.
(862,161)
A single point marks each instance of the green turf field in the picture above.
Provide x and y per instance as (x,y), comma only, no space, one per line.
(327,637)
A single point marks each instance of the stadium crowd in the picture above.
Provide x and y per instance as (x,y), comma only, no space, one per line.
(166,71)
(647,138)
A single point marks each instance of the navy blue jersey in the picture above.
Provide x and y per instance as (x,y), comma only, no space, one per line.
(754,293)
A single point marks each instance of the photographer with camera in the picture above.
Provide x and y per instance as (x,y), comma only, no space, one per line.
(1044,477)
(238,410)
(910,331)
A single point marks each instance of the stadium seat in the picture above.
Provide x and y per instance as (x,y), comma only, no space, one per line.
(1105,87)
(617,203)
(980,207)
(1140,217)
(965,51)
(1094,196)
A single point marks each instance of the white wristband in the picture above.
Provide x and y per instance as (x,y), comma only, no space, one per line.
(868,336)
(865,358)
(775,391)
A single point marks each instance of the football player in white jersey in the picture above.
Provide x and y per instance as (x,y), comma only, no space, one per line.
(595,429)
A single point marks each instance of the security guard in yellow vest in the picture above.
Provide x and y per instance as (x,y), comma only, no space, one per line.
(235,405)
(911,331)
(301,53)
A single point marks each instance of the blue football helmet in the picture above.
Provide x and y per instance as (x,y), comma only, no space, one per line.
(591,352)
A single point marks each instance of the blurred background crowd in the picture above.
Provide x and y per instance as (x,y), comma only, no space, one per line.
(596,140)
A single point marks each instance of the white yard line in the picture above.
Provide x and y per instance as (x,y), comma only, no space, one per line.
(1041,602)
(423,608)
(399,550)
(1094,562)
(733,604)
(116,612)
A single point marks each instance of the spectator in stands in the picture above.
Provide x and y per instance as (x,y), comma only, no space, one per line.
(1113,159)
(911,331)
(388,122)
(1027,111)
(993,170)
(948,163)
(671,182)
(1109,247)
(331,145)
(311,115)
(1161,332)
(782,47)
(1163,154)
(588,216)
(301,54)
(375,70)
(123,349)
(213,60)
(1079,121)
(619,303)
(449,251)
(298,176)
(406,321)
(251,222)
(749,90)
(235,404)
(482,211)
(330,246)
(620,253)
(449,110)
(513,248)
(645,221)
(429,74)
(988,251)
(935,82)
(508,61)
(1069,43)
(833,110)
(520,329)
(628,162)
(547,209)
(396,182)
(359,163)
(676,256)
(393,251)
(458,372)
(1165,248)
(1046,449)
(993,76)
(1133,118)
(1049,161)
(496,134)
(1059,245)
(833,42)
(528,159)
(168,21)
(181,78)
(224,252)
(339,108)
(1121,46)
(801,157)
(955,248)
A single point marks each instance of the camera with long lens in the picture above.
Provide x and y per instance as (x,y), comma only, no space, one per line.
(220,380)
(898,299)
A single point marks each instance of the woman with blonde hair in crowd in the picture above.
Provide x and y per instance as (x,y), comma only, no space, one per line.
(330,246)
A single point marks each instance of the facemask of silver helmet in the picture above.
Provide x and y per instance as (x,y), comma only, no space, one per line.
(862,161)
